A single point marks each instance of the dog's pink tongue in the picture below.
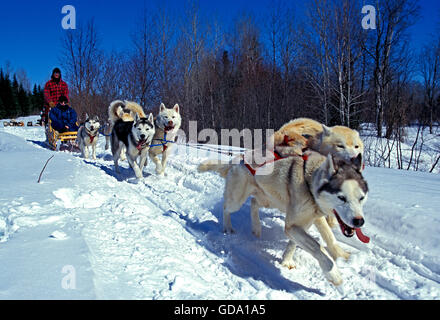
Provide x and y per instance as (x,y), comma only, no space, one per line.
(361,236)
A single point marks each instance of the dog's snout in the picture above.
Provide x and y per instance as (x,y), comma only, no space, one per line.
(358,222)
(170,123)
(142,136)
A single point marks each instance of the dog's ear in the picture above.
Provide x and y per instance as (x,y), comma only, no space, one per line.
(120,112)
(136,117)
(326,130)
(176,108)
(87,116)
(150,118)
(96,118)
(162,107)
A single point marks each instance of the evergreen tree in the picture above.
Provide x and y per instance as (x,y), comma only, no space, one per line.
(40,98)
(2,109)
(36,100)
(6,95)
(23,101)
(15,106)
(33,100)
(15,101)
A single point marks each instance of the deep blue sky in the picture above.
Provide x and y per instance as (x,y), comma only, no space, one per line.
(30,31)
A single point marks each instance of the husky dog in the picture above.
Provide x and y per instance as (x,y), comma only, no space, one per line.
(339,140)
(88,135)
(168,124)
(125,111)
(135,136)
(307,190)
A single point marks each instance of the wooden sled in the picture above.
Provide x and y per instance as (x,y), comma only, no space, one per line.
(61,141)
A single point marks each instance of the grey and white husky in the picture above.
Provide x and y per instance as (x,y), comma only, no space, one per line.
(135,136)
(88,135)
(307,190)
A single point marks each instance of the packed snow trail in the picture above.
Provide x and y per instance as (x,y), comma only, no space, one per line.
(161,238)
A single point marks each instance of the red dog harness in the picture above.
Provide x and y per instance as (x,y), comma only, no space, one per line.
(253,171)
(277,157)
(91,137)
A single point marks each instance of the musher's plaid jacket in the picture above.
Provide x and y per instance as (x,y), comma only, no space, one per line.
(52,92)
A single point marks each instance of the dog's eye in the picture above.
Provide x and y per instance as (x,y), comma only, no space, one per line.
(357,147)
(343,199)
(341,146)
(361,199)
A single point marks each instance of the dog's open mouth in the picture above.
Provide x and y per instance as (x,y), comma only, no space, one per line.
(349,231)
(168,128)
(346,230)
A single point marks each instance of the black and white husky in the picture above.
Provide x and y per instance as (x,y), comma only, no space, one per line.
(136,137)
(88,135)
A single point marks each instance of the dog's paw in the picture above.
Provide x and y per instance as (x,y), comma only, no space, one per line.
(228,231)
(338,252)
(289,264)
(256,228)
(334,276)
(160,174)
(257,233)
(134,180)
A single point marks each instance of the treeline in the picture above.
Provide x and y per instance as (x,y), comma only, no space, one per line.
(263,70)
(15,100)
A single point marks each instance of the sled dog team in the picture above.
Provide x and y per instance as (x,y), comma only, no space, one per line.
(133,136)
(315,178)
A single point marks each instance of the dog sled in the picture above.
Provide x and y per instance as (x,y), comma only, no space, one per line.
(65,141)
(13,123)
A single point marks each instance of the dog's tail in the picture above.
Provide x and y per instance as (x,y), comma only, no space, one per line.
(116,110)
(135,108)
(215,165)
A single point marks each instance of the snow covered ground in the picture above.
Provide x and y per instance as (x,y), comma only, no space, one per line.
(86,233)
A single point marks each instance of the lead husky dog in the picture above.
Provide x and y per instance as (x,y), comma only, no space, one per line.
(307,190)
(135,136)
(88,135)
(168,123)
